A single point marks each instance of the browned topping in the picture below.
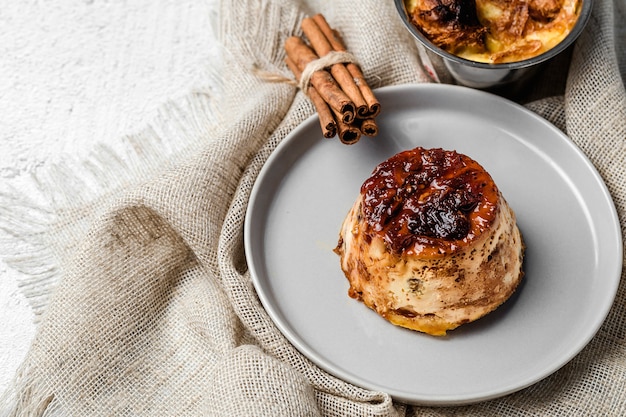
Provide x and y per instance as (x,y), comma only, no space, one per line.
(428,198)
(494,31)
(450,24)
(544,10)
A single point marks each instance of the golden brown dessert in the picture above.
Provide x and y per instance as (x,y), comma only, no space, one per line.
(430,243)
(494,31)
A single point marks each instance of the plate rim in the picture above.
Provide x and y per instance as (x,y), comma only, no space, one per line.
(441,400)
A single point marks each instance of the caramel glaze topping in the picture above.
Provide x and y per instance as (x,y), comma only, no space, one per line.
(428,201)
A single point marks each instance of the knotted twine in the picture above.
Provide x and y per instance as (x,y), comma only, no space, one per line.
(321,63)
(326,61)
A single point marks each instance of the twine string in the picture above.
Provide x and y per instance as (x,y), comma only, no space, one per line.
(327,61)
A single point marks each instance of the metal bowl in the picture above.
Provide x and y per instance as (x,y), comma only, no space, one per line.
(496,77)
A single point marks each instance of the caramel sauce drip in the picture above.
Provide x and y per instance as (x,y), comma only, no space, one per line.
(428,200)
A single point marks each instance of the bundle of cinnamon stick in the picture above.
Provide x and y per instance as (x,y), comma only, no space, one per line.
(345,104)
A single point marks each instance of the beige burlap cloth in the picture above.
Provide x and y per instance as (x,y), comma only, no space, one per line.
(152,311)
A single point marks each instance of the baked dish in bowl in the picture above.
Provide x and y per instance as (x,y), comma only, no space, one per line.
(494,31)
(492,44)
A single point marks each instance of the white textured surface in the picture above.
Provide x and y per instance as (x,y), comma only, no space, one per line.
(17,328)
(78,73)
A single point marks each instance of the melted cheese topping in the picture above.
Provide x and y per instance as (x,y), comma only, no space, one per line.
(514,30)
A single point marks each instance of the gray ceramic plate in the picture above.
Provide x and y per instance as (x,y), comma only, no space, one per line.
(569,222)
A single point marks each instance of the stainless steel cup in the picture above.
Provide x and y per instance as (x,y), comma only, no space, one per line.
(510,75)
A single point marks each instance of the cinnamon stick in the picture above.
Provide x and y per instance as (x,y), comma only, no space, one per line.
(322,47)
(368,127)
(321,80)
(337,44)
(326,118)
(348,133)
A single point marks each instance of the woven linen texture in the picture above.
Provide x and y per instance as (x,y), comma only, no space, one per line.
(154,312)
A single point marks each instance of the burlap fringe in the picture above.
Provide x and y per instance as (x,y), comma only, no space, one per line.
(31,228)
(34,226)
(33,400)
